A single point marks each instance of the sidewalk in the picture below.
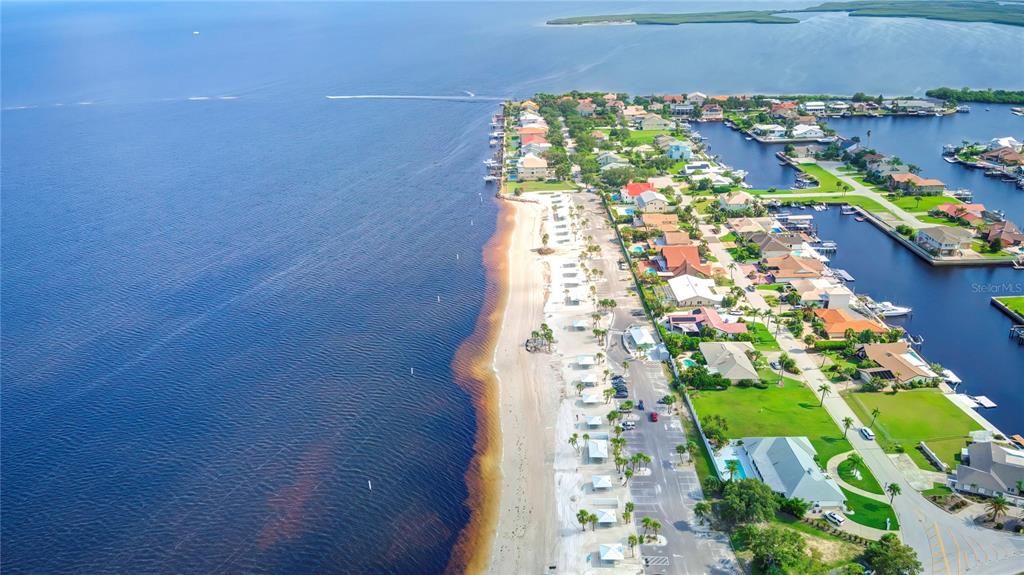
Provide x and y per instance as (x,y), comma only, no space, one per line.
(833,470)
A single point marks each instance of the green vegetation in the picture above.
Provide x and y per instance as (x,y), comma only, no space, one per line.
(982,247)
(542,186)
(751,16)
(987,96)
(937,490)
(909,417)
(827,182)
(776,411)
(1015,303)
(867,481)
(763,339)
(640,137)
(729,237)
(772,287)
(923,203)
(941,221)
(859,201)
(870,512)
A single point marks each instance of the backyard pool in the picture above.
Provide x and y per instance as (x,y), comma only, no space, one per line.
(688,362)
(741,473)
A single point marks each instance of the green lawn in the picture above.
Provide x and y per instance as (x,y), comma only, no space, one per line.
(981,247)
(940,221)
(867,481)
(639,137)
(937,490)
(909,417)
(772,287)
(1015,303)
(542,186)
(791,410)
(827,182)
(870,512)
(834,198)
(729,237)
(923,203)
(763,339)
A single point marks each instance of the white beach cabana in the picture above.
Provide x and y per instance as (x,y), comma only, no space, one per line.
(612,552)
(601,481)
(597,449)
(589,379)
(580,325)
(585,361)
(594,421)
(606,517)
(592,399)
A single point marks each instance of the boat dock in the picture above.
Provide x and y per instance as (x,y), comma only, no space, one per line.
(842,274)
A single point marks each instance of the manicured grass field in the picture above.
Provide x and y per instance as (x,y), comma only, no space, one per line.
(982,248)
(772,287)
(639,137)
(791,410)
(936,490)
(867,481)
(909,417)
(923,203)
(870,512)
(542,186)
(763,339)
(1015,303)
(860,201)
(729,237)
(939,221)
(827,182)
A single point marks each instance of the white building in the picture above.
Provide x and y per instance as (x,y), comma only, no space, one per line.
(531,167)
(653,202)
(802,131)
(692,291)
(786,464)
(813,107)
(729,359)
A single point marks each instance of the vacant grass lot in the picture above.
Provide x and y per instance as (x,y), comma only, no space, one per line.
(860,201)
(791,410)
(909,417)
(640,137)
(763,339)
(827,182)
(1015,303)
(870,512)
(923,203)
(542,186)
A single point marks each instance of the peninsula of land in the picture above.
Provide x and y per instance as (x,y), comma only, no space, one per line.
(1010,14)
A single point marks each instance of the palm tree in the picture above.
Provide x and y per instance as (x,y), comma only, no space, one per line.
(874,415)
(893,490)
(620,462)
(628,474)
(997,506)
(627,513)
(586,440)
(692,448)
(847,424)
(702,510)
(593,522)
(579,388)
(583,516)
(681,451)
(608,393)
(633,542)
(646,522)
(574,441)
(599,356)
(733,466)
(655,526)
(825,389)
(856,461)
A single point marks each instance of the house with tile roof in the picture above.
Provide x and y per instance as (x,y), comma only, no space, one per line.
(897,363)
(837,321)
(944,240)
(915,185)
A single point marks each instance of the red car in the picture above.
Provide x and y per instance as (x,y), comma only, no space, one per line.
(654,416)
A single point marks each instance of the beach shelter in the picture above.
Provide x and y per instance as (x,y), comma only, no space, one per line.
(580,325)
(592,399)
(589,379)
(597,449)
(612,552)
(606,517)
(594,421)
(585,361)
(601,482)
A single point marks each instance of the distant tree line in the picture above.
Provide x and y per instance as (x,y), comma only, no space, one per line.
(969,95)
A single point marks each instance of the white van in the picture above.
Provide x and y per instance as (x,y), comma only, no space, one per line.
(867,434)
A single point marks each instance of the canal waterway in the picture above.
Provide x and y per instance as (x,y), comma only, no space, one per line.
(764,168)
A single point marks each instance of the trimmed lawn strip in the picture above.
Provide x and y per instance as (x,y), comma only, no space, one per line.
(791,410)
(908,417)
(543,186)
(827,182)
(926,203)
(937,490)
(703,464)
(859,201)
(869,512)
(867,482)
(1015,303)
(640,137)
(763,339)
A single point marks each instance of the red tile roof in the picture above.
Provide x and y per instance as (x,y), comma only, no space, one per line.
(533,139)
(634,189)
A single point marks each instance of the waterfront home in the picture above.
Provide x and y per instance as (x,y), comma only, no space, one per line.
(914,106)
(822,292)
(882,166)
(991,468)
(729,359)
(769,131)
(807,131)
(838,107)
(1004,156)
(790,114)
(631,191)
(616,166)
(1006,232)
(973,214)
(1006,142)
(703,318)
(741,226)
(897,363)
(682,260)
(681,110)
(692,291)
(787,465)
(789,267)
(776,245)
(696,98)
(673,98)
(530,105)
(631,114)
(676,238)
(531,167)
(677,150)
(694,167)
(652,202)
(532,139)
(735,201)
(661,141)
(814,108)
(847,148)
(615,105)
(655,122)
(532,131)
(944,240)
(527,118)
(838,321)
(535,148)
(586,107)
(712,114)
(778,108)
(914,184)
(605,158)
(656,221)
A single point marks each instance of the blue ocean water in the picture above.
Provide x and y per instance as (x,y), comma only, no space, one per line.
(216,281)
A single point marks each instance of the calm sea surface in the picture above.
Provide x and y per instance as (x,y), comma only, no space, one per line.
(216,281)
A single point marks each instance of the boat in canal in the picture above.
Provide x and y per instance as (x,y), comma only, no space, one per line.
(848,210)
(889,309)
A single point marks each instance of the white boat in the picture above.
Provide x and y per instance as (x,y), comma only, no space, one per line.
(963,108)
(748,138)
(950,159)
(888,309)
(489,179)
(860,218)
(493,143)
(848,210)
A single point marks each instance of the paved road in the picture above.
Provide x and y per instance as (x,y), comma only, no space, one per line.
(669,493)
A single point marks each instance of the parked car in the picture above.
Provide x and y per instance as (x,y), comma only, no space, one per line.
(640,405)
(867,434)
(775,365)
(653,416)
(625,409)
(628,425)
(621,394)
(834,518)
(751,288)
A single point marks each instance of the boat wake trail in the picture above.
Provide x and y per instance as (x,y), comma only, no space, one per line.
(469,98)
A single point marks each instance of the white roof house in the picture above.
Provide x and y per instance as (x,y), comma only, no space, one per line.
(594,421)
(693,291)
(601,481)
(597,448)
(641,336)
(813,107)
(807,131)
(786,464)
(1005,142)
(531,161)
(651,200)
(729,358)
(611,552)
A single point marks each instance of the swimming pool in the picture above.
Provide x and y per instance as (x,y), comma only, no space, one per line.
(741,473)
(688,362)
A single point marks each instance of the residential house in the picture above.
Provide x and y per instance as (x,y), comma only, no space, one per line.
(807,132)
(1006,142)
(973,214)
(1004,156)
(692,322)
(656,221)
(679,151)
(847,148)
(661,141)
(712,114)
(944,240)
(527,118)
(883,166)
(530,105)
(815,108)
(532,139)
(631,191)
(838,107)
(1006,232)
(632,114)
(692,291)
(774,245)
(656,122)
(673,98)
(916,185)
(606,158)
(788,114)
(735,201)
(741,226)
(897,363)
(599,136)
(787,465)
(696,98)
(682,260)
(777,109)
(789,267)
(914,106)
(586,107)
(769,131)
(652,202)
(676,238)
(532,131)
(838,321)
(681,110)
(822,292)
(530,167)
(729,359)
(537,149)
(991,468)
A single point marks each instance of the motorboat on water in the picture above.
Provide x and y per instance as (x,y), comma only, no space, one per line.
(888,309)
(848,210)
(860,218)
